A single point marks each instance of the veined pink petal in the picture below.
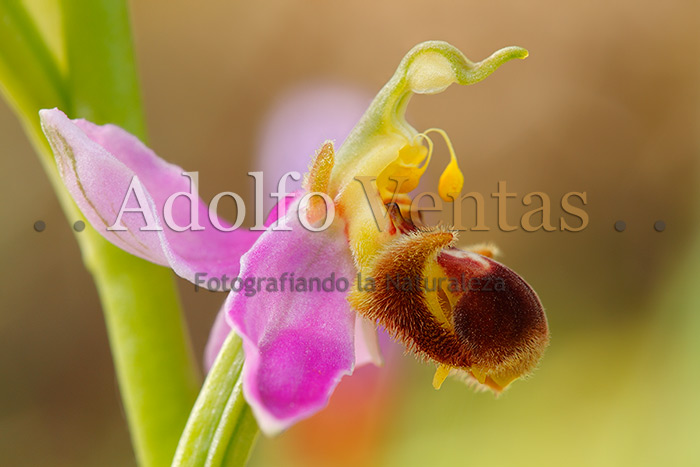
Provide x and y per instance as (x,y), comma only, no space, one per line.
(98,164)
(297,344)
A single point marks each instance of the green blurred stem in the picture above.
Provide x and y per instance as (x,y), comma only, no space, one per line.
(29,73)
(155,367)
(221,430)
(103,81)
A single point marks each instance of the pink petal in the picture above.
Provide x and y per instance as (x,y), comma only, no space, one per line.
(297,344)
(221,329)
(98,163)
(367,349)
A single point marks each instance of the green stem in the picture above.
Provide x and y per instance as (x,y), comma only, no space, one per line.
(221,430)
(28,71)
(103,81)
(155,367)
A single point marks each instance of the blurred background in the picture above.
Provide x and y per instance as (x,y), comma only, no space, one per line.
(607,104)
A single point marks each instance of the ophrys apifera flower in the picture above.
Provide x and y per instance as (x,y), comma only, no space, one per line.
(352,221)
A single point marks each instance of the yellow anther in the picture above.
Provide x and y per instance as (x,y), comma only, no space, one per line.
(410,164)
(451,180)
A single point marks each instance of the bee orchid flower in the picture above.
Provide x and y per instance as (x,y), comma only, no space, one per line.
(352,224)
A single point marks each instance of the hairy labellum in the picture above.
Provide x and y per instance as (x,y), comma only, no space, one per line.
(481,319)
